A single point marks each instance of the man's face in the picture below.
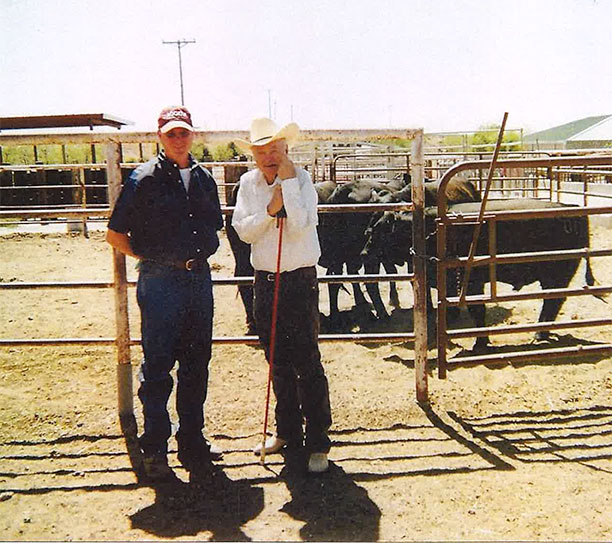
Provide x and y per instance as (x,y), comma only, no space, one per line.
(268,157)
(176,142)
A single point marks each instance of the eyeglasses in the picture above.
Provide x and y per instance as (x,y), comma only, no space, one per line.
(174,134)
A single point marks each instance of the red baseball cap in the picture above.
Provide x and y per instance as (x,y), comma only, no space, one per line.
(174,117)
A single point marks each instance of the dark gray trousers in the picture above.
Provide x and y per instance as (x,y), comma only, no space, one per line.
(298,379)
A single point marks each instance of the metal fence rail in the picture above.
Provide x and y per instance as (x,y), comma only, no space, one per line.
(446,219)
(123,341)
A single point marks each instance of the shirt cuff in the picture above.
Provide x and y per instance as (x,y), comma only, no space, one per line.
(291,185)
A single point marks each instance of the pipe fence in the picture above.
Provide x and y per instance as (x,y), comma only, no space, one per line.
(123,341)
(445,221)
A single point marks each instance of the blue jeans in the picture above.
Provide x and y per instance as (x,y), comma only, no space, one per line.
(176,309)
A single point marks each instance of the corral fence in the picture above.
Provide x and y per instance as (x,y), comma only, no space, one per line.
(123,340)
(542,181)
(540,176)
(63,186)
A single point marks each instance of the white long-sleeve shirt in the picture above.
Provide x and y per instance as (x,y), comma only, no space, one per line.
(300,247)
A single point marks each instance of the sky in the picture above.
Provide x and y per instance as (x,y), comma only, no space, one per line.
(441,65)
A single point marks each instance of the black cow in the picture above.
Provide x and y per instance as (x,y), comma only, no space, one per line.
(242,260)
(393,237)
(342,238)
(381,227)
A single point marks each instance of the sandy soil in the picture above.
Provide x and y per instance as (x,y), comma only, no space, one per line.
(521,452)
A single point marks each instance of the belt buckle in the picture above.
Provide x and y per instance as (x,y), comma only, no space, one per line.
(189,264)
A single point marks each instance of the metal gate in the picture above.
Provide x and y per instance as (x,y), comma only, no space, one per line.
(446,220)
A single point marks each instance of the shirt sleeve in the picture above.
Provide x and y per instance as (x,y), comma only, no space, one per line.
(250,218)
(121,217)
(300,199)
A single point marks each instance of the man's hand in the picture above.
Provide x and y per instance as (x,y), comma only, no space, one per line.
(121,242)
(276,202)
(286,168)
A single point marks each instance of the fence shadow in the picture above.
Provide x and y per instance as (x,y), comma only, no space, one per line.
(582,435)
(555,341)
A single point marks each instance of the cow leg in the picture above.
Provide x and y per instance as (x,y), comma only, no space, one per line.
(549,312)
(352,268)
(393,294)
(334,289)
(246,294)
(361,303)
(551,278)
(244,269)
(478,314)
(372,266)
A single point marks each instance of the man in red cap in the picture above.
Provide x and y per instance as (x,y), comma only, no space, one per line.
(167,216)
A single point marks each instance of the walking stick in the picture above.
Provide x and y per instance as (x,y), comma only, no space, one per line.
(280,221)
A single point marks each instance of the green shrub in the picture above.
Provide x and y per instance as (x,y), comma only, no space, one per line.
(224,152)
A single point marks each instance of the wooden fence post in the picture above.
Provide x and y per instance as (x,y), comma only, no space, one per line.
(420,283)
(124,365)
(231,176)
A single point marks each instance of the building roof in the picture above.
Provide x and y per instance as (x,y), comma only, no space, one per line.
(61,121)
(566,131)
(602,131)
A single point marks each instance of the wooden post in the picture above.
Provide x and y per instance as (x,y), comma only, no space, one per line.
(549,176)
(124,365)
(420,282)
(231,176)
(585,188)
(83,201)
(41,193)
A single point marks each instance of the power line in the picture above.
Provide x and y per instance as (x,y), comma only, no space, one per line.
(179,45)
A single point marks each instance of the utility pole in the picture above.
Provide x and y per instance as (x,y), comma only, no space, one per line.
(269,105)
(179,45)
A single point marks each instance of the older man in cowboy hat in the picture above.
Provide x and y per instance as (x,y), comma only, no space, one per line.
(279,188)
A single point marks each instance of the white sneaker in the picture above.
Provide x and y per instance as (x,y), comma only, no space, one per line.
(273,445)
(318,463)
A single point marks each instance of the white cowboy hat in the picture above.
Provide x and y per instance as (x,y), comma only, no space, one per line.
(264,130)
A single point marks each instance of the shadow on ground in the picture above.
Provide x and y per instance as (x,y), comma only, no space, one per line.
(581,435)
(332,506)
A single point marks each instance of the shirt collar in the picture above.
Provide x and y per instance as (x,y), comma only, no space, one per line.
(167,163)
(262,179)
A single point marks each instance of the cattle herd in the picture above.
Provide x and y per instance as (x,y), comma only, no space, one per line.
(367,240)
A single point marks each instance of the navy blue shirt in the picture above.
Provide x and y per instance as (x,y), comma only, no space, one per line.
(163,220)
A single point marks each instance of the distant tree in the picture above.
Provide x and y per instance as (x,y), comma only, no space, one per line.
(486,138)
(206,156)
(233,149)
(224,152)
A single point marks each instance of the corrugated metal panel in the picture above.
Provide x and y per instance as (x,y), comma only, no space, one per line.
(60,121)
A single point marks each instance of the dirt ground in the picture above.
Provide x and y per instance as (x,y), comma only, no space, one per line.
(513,452)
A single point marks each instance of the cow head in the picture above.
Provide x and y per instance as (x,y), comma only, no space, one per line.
(389,238)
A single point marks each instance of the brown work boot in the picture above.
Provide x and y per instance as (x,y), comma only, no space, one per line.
(155,469)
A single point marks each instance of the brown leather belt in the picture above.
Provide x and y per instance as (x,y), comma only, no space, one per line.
(192,264)
(271,276)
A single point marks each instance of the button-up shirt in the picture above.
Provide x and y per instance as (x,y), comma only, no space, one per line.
(164,221)
(300,245)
